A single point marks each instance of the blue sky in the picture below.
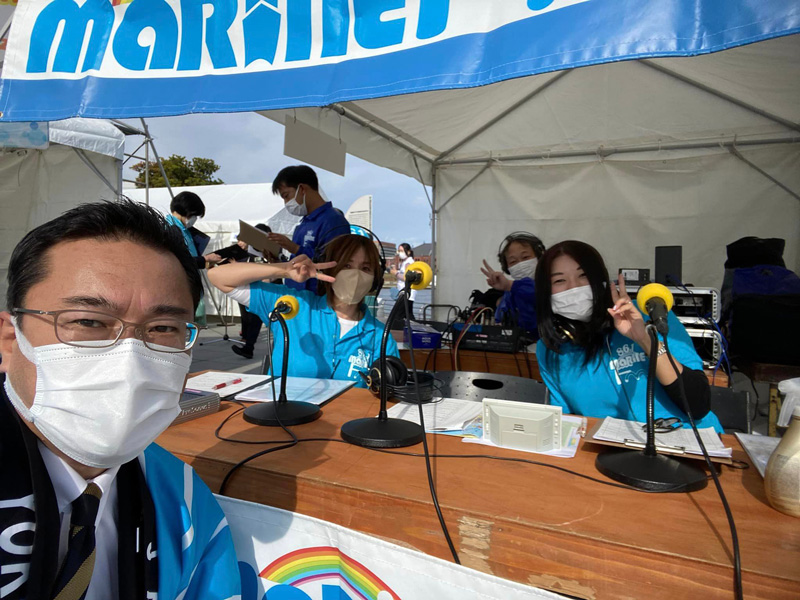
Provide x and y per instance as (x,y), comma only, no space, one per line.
(249,149)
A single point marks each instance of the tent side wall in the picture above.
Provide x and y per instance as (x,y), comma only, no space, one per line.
(625,206)
(39,185)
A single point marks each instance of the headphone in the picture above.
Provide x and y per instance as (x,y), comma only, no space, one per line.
(396,374)
(522,237)
(377,280)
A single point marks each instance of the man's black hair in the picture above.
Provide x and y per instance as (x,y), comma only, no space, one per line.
(105,221)
(188,204)
(294,176)
(264,228)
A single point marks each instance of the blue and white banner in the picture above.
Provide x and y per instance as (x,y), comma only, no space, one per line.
(289,556)
(126,58)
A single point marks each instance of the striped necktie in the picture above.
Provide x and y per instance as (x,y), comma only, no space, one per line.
(76,571)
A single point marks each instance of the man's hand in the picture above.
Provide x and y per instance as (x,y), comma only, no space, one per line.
(284,242)
(302,268)
(496,279)
(212,258)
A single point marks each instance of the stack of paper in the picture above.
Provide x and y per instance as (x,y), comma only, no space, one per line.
(224,383)
(299,389)
(677,441)
(448,414)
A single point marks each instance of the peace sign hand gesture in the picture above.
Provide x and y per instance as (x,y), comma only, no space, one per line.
(627,318)
(496,279)
(302,268)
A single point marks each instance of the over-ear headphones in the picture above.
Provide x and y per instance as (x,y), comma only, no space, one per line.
(396,374)
(322,255)
(522,237)
(565,331)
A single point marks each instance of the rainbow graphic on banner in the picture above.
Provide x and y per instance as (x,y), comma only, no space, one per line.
(325,562)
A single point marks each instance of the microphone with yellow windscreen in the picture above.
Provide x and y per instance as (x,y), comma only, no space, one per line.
(419,275)
(287,306)
(656,300)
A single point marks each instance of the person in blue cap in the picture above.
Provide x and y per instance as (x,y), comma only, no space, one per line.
(333,336)
(299,187)
(593,348)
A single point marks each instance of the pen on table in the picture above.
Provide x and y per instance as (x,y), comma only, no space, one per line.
(219,386)
(582,428)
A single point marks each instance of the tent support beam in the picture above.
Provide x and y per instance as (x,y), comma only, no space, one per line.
(466,185)
(735,152)
(491,122)
(727,97)
(379,131)
(608,151)
(158,159)
(96,171)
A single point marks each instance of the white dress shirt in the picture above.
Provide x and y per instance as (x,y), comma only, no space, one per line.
(68,485)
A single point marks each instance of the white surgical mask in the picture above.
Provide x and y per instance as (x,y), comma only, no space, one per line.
(576,303)
(295,208)
(352,285)
(523,269)
(191,221)
(102,406)
(402,255)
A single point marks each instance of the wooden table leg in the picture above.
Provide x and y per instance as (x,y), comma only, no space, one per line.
(774,409)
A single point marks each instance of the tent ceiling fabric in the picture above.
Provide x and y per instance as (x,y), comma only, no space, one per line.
(621,105)
(92,135)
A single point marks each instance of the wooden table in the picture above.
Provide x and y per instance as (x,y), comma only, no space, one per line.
(773,375)
(519,521)
(521,364)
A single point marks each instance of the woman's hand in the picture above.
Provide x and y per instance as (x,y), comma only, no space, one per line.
(496,279)
(301,268)
(627,318)
(212,258)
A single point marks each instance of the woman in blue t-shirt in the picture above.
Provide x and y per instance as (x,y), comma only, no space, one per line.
(333,336)
(593,349)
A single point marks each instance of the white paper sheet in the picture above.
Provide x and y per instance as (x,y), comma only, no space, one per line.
(679,440)
(446,414)
(300,389)
(206,382)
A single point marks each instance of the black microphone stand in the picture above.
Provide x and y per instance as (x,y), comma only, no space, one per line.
(381,431)
(646,469)
(282,411)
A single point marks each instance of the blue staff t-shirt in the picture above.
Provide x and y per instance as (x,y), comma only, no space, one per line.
(313,232)
(519,304)
(616,385)
(315,346)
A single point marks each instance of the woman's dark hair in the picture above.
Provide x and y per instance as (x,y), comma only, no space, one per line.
(104,221)
(407,248)
(341,249)
(521,237)
(554,330)
(294,176)
(188,204)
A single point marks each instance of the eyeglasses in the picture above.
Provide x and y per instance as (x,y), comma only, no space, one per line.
(92,329)
(665,425)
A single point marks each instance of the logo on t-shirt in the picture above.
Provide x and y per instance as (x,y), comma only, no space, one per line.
(358,363)
(309,238)
(630,364)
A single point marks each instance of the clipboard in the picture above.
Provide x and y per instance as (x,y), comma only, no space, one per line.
(200,240)
(666,450)
(258,239)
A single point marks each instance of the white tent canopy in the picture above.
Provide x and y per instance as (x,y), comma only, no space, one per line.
(629,155)
(81,164)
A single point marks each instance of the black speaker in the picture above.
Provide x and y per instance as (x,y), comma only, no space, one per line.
(669,265)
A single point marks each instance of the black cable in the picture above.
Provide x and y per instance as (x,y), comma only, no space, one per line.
(425,443)
(737,563)
(230,473)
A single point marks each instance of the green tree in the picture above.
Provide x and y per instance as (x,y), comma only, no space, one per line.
(180,171)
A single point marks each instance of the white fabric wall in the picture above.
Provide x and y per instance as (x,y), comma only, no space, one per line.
(38,185)
(624,205)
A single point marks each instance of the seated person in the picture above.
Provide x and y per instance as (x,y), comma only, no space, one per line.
(333,336)
(518,255)
(593,352)
(95,348)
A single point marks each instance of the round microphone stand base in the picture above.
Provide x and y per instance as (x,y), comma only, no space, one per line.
(382,433)
(655,473)
(275,414)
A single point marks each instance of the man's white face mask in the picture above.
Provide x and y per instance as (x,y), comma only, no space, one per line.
(352,285)
(294,207)
(576,303)
(523,269)
(102,406)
